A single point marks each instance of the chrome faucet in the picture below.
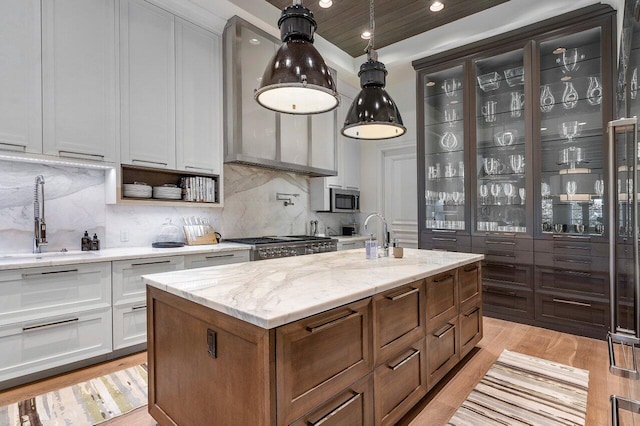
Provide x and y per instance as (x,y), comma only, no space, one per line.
(40,228)
(385,245)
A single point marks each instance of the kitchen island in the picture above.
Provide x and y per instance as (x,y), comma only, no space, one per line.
(329,338)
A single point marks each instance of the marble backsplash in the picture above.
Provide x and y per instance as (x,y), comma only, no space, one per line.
(75,202)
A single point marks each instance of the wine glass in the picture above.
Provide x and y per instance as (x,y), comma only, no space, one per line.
(570,129)
(509,190)
(495,191)
(571,188)
(442,197)
(599,187)
(523,195)
(517,163)
(449,142)
(456,197)
(484,193)
(490,165)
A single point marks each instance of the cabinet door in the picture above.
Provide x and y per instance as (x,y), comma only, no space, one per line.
(79,78)
(442,297)
(294,139)
(198,99)
(351,163)
(323,140)
(127,276)
(20,76)
(147,79)
(443,350)
(129,324)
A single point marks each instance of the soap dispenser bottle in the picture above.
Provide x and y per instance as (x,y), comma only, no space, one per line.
(95,243)
(85,244)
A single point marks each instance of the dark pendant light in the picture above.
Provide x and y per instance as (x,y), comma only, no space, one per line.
(373,114)
(297,81)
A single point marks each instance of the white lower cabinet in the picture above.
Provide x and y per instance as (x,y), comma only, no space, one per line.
(129,324)
(214,259)
(30,346)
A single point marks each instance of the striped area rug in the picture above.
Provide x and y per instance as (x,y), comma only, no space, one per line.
(525,390)
(87,403)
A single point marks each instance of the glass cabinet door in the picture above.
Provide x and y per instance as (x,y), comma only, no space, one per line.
(571,135)
(444,150)
(500,143)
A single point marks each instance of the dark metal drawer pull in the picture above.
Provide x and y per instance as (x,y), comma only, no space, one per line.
(583,262)
(500,254)
(500,265)
(499,291)
(473,268)
(50,324)
(572,302)
(451,240)
(160,262)
(443,279)
(502,243)
(37,274)
(471,312)
(565,272)
(219,256)
(335,411)
(314,328)
(443,332)
(404,361)
(572,237)
(74,154)
(137,308)
(150,162)
(405,294)
(573,247)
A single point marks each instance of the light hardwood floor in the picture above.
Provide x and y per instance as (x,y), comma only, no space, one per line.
(437,407)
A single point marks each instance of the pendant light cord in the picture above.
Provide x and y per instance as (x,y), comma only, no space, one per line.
(371,53)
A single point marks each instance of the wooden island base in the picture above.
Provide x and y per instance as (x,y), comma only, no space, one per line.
(367,362)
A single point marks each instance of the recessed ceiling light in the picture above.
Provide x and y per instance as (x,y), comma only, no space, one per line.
(436,6)
(325,3)
(254,41)
(559,50)
(431,83)
(366,35)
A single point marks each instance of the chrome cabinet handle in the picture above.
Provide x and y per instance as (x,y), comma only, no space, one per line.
(50,324)
(159,262)
(500,265)
(402,295)
(444,331)
(584,262)
(502,243)
(137,308)
(81,155)
(349,315)
(573,247)
(564,272)
(444,231)
(334,411)
(149,162)
(37,274)
(451,240)
(14,146)
(219,256)
(572,302)
(405,360)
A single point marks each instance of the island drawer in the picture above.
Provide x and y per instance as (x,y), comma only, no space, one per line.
(353,407)
(203,260)
(442,297)
(443,350)
(34,293)
(470,283)
(400,383)
(127,275)
(470,320)
(318,356)
(399,318)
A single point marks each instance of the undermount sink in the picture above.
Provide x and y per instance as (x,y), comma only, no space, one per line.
(46,255)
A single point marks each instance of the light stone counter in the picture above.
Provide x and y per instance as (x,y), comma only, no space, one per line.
(29,260)
(271,293)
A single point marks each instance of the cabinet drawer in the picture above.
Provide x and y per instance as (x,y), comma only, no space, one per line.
(577,262)
(129,324)
(470,327)
(469,283)
(442,298)
(504,256)
(127,275)
(349,245)
(443,237)
(511,301)
(572,246)
(321,355)
(507,273)
(353,407)
(443,350)
(399,318)
(584,283)
(574,311)
(502,243)
(30,294)
(31,346)
(399,383)
(203,260)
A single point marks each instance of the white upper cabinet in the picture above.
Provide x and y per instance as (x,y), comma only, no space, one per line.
(351,163)
(79,78)
(198,99)
(147,85)
(323,140)
(294,139)
(20,76)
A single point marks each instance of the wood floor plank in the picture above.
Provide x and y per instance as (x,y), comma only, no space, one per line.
(440,404)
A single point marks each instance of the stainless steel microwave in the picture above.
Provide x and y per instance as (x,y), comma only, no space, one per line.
(335,200)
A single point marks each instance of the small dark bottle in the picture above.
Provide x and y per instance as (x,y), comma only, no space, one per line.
(86,242)
(95,243)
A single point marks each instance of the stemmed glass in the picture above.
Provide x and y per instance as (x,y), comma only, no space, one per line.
(495,191)
(484,193)
(599,187)
(442,197)
(509,190)
(490,165)
(571,188)
(570,129)
(456,197)
(522,194)
(517,163)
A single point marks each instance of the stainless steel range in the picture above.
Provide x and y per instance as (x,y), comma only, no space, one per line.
(293,245)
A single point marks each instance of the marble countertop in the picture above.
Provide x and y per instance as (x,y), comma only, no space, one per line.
(29,260)
(271,293)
